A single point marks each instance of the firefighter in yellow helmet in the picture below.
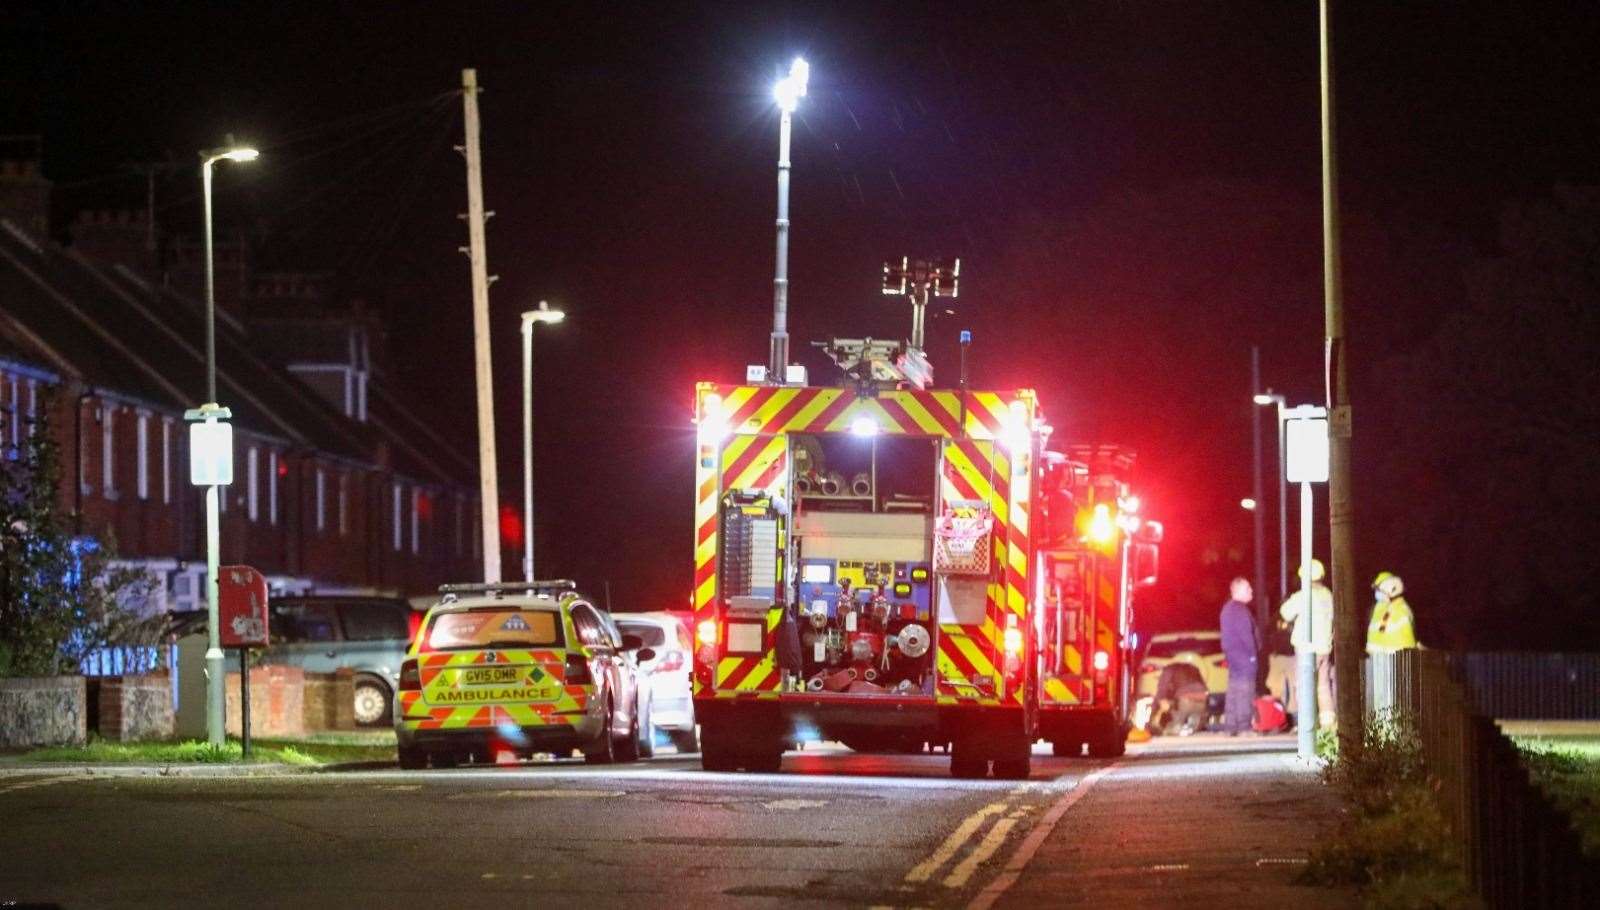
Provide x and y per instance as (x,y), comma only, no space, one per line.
(1391,627)
(1314,633)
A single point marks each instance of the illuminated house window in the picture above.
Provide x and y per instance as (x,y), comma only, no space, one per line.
(166,460)
(398,542)
(142,458)
(272,487)
(108,450)
(252,467)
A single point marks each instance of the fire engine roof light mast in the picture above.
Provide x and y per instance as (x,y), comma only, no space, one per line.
(788,93)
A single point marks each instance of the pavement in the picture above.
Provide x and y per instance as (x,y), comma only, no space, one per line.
(1174,823)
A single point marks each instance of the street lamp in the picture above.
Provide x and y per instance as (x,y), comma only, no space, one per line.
(530,319)
(211,456)
(1268,398)
(788,93)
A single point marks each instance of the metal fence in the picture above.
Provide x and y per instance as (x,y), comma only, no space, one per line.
(1519,848)
(1528,686)
(125,660)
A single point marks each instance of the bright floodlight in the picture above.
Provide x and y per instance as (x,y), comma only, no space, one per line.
(241,154)
(792,88)
(543,314)
(1264,399)
(864,426)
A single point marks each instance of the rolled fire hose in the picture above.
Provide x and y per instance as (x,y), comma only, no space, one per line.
(861,485)
(802,484)
(814,684)
(832,484)
(871,675)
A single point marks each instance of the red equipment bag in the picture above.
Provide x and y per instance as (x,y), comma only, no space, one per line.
(1269,715)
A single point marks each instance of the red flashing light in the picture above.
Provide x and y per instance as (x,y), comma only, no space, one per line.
(510,526)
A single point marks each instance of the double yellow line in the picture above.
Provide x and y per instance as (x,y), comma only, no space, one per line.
(1005,815)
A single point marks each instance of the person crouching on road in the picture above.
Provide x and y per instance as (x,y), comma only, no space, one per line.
(1314,634)
(1391,628)
(1180,702)
(1241,644)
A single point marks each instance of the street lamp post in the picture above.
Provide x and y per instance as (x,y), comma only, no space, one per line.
(788,92)
(529,320)
(1266,398)
(211,457)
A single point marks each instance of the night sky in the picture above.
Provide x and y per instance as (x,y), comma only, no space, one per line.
(1133,189)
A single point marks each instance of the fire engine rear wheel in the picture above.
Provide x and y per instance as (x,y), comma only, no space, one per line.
(717,751)
(966,764)
(1111,745)
(1066,748)
(445,759)
(685,741)
(769,761)
(1016,768)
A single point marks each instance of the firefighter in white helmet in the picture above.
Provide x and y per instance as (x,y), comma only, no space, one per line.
(1391,628)
(1314,634)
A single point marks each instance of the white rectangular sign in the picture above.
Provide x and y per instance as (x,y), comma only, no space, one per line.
(211,453)
(1306,448)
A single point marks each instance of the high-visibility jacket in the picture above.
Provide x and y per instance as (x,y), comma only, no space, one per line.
(1317,635)
(1391,629)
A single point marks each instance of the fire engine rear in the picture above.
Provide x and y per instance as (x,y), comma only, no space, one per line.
(863,567)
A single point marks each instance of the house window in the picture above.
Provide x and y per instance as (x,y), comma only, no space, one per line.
(108,450)
(166,459)
(252,467)
(142,458)
(344,503)
(322,498)
(397,540)
(272,487)
(416,520)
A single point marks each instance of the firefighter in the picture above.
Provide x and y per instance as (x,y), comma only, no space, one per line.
(1315,636)
(1391,627)
(1241,643)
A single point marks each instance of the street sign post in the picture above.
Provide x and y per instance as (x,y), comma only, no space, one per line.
(242,624)
(1306,463)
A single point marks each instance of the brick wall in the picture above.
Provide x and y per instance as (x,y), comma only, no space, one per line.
(277,702)
(329,701)
(135,708)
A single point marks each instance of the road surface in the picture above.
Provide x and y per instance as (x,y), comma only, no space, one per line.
(835,828)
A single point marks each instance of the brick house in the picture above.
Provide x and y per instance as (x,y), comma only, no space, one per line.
(338,486)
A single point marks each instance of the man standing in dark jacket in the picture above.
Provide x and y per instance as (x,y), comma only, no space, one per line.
(1241,643)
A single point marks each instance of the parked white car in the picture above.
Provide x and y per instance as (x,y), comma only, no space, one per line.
(670,708)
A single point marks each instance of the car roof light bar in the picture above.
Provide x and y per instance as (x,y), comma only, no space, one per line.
(554,584)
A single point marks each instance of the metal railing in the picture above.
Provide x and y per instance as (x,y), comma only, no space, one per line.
(1519,848)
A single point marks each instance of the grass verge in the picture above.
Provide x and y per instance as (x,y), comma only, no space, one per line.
(1568,769)
(1392,843)
(319,750)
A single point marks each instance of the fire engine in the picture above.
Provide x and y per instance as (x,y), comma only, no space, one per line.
(894,566)
(1094,552)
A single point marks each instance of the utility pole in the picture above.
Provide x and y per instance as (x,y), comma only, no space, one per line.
(1256,513)
(149,171)
(1347,644)
(489,480)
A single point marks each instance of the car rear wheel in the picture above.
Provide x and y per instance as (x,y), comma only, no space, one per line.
(373,702)
(647,734)
(604,751)
(628,748)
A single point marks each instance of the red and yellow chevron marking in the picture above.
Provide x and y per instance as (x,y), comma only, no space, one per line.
(773,409)
(439,672)
(756,463)
(1075,685)
(738,673)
